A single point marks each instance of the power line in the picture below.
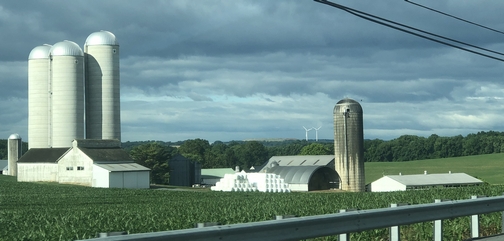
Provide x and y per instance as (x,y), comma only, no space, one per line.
(455,17)
(403,28)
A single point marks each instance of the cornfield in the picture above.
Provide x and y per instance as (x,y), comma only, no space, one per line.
(41,211)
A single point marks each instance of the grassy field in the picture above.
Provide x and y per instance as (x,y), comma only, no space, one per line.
(488,168)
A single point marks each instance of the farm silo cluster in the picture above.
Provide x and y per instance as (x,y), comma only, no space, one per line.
(74,123)
(74,94)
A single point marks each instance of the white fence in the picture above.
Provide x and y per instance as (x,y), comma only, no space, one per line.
(342,223)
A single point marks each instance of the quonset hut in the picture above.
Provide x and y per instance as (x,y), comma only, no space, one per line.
(349,145)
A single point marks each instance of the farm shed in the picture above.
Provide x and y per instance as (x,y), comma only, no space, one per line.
(404,182)
(101,163)
(304,173)
(213,175)
(39,165)
(183,171)
(4,166)
(95,163)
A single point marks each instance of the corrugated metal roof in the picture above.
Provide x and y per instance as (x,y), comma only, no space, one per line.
(216,172)
(295,174)
(312,160)
(123,167)
(435,179)
(42,155)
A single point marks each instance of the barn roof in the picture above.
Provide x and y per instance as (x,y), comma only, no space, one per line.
(42,155)
(435,179)
(308,160)
(295,174)
(123,167)
(4,164)
(107,155)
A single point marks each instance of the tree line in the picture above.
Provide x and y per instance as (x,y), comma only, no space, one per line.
(245,154)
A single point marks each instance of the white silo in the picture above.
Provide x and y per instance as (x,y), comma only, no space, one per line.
(103,117)
(67,93)
(13,153)
(38,97)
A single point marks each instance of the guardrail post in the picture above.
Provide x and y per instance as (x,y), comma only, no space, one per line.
(438,225)
(202,225)
(475,222)
(280,217)
(345,236)
(395,231)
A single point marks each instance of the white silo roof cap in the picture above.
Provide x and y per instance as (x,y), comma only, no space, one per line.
(66,48)
(101,38)
(40,52)
(14,136)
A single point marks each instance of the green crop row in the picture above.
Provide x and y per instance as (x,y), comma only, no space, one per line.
(34,211)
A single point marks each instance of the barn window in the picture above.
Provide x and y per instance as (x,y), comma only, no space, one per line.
(69,168)
(80,168)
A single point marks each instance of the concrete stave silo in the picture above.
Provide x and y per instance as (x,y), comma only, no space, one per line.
(103,120)
(14,149)
(67,93)
(38,97)
(349,145)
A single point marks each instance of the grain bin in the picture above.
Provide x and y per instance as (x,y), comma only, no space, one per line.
(67,93)
(349,145)
(103,119)
(13,153)
(38,97)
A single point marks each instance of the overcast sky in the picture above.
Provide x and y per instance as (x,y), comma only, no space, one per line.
(246,69)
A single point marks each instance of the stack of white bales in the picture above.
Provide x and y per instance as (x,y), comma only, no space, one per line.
(250,182)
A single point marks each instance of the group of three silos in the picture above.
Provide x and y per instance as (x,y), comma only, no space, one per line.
(74,94)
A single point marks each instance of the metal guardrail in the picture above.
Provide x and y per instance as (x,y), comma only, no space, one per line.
(297,228)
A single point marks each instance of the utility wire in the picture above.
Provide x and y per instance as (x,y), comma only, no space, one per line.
(383,22)
(455,17)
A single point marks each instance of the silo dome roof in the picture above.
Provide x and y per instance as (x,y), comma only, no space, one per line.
(40,52)
(14,137)
(347,104)
(101,38)
(66,48)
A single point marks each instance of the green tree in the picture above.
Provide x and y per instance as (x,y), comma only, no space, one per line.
(154,156)
(196,150)
(315,149)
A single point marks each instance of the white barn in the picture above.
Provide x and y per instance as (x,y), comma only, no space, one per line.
(95,163)
(404,182)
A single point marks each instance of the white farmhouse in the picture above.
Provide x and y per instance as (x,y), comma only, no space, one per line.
(404,182)
(95,163)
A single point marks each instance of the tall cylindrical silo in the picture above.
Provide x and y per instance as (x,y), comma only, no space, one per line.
(38,97)
(349,145)
(103,113)
(67,93)
(13,153)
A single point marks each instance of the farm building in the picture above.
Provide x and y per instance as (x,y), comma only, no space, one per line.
(304,173)
(3,166)
(184,172)
(420,181)
(213,175)
(95,163)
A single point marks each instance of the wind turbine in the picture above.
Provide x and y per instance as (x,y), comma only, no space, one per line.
(316,132)
(307,132)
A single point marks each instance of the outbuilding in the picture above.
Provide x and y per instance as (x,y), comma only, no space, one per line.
(305,173)
(4,166)
(391,183)
(95,163)
(211,176)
